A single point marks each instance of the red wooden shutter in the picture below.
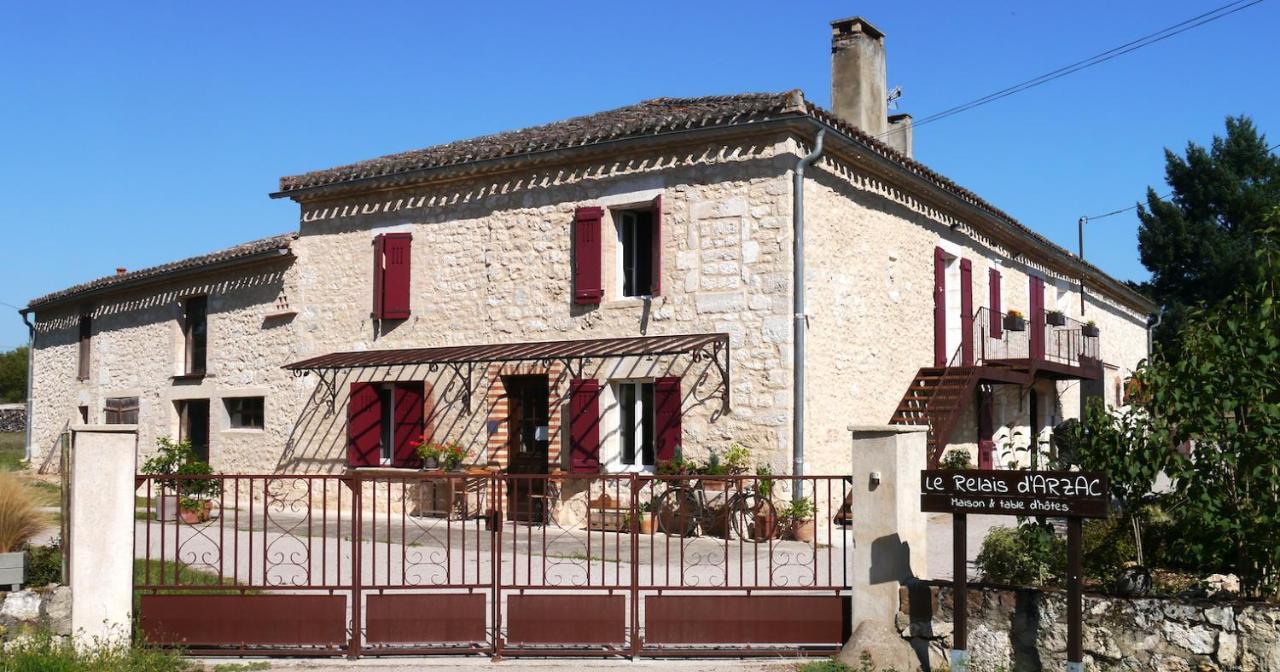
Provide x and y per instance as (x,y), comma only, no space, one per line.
(666,418)
(939,307)
(997,327)
(396,255)
(364,425)
(655,282)
(587,287)
(584,426)
(1036,318)
(378,275)
(966,312)
(409,423)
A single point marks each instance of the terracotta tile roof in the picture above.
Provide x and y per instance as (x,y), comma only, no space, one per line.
(652,117)
(646,118)
(239,253)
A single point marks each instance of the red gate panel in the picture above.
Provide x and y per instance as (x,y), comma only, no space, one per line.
(425,619)
(248,620)
(566,619)
(738,619)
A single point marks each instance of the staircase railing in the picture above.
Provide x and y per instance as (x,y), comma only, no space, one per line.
(942,422)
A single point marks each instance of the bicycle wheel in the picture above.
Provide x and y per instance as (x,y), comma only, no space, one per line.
(677,512)
(752,517)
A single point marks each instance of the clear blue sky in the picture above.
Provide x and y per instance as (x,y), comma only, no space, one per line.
(141,132)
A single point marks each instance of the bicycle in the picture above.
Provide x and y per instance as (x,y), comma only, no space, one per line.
(684,509)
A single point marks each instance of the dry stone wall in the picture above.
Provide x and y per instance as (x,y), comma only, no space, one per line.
(13,417)
(1025,629)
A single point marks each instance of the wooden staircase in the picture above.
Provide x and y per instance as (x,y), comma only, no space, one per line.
(937,397)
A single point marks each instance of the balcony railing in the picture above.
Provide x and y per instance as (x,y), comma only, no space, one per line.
(1063,344)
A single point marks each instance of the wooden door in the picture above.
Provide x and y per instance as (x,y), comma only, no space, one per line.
(527,446)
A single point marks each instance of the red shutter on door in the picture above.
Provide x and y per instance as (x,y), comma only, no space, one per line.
(379,243)
(996,328)
(396,255)
(666,418)
(409,423)
(587,287)
(966,312)
(584,426)
(1036,318)
(655,282)
(364,425)
(939,307)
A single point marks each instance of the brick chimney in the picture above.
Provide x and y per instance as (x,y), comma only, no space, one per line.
(859,91)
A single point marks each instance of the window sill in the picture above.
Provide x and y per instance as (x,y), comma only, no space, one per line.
(190,377)
(245,430)
(631,302)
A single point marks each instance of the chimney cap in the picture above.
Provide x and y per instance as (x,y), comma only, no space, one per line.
(855,24)
(120,270)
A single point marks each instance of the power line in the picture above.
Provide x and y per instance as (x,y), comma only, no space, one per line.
(1091,218)
(1144,41)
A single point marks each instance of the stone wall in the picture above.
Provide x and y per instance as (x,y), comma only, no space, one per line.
(25,612)
(1024,629)
(13,417)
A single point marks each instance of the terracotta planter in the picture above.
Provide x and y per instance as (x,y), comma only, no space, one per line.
(803,530)
(1014,323)
(197,514)
(715,486)
(645,523)
(763,526)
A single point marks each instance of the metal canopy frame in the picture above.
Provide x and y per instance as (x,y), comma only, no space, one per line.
(574,355)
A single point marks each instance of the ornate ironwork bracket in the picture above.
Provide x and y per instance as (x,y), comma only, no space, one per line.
(329,386)
(718,353)
(463,378)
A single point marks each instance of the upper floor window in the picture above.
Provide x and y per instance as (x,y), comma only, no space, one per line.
(391,257)
(635,252)
(86,338)
(120,411)
(195,329)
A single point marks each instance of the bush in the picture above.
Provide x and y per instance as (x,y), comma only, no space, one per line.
(1027,555)
(44,564)
(1107,547)
(957,459)
(45,653)
(19,518)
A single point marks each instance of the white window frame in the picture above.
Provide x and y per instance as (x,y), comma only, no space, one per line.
(612,448)
(624,219)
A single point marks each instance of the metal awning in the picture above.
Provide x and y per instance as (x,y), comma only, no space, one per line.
(574,354)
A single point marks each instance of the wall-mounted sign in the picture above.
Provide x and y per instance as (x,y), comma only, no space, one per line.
(1015,493)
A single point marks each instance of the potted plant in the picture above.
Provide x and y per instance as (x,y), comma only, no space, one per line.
(799,516)
(1014,320)
(645,521)
(429,452)
(20,520)
(1090,329)
(1055,318)
(171,459)
(714,467)
(196,493)
(957,459)
(453,456)
(764,519)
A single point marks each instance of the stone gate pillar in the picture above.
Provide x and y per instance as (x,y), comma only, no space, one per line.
(103,467)
(889,537)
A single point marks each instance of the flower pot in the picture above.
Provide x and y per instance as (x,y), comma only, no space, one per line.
(715,486)
(13,569)
(645,523)
(1090,331)
(430,463)
(1012,323)
(803,530)
(165,508)
(192,515)
(1054,318)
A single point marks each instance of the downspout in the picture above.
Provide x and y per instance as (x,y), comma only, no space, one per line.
(31,371)
(1152,325)
(800,320)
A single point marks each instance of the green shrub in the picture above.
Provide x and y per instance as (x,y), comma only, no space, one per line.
(1027,555)
(1107,547)
(44,653)
(957,459)
(44,564)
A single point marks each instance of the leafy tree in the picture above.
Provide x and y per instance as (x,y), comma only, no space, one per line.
(1198,244)
(13,375)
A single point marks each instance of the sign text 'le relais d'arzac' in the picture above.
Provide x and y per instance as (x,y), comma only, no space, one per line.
(1015,493)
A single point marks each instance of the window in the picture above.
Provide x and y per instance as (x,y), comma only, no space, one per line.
(193,425)
(195,329)
(84,415)
(635,252)
(635,407)
(86,336)
(121,411)
(384,420)
(245,412)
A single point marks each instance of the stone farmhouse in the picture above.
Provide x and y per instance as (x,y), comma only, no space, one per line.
(601,293)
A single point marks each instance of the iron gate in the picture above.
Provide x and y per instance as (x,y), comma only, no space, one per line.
(393,562)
